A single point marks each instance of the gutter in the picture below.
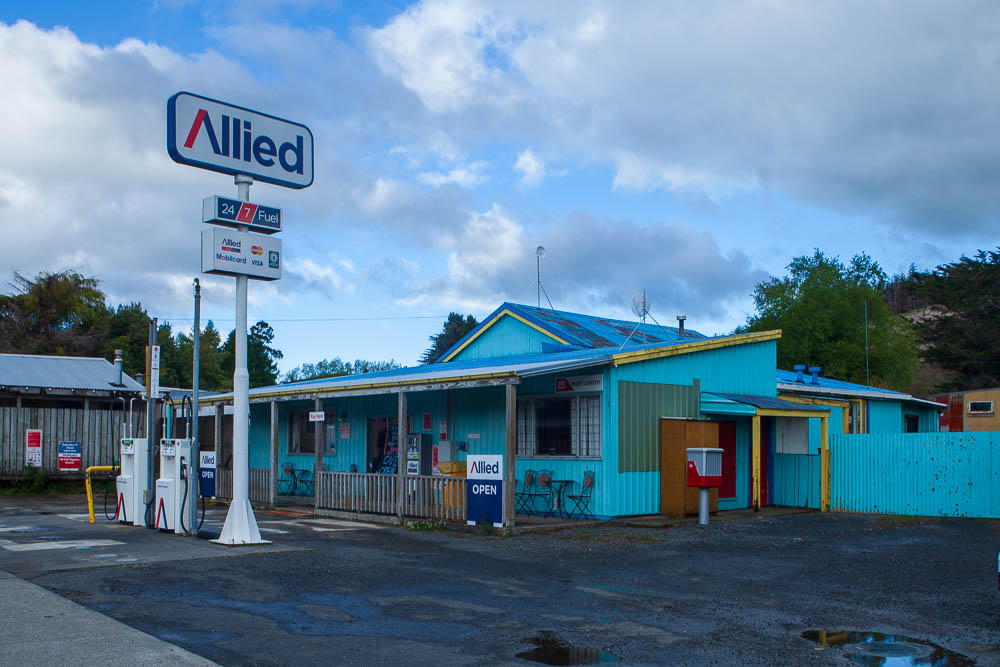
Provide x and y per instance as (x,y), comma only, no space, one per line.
(797,388)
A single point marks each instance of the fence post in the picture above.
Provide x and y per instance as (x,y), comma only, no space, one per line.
(401,457)
(509,473)
(824,464)
(274,453)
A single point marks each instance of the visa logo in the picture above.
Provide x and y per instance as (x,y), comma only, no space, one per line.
(232,137)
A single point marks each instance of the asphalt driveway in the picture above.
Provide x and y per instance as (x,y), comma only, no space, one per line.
(741,592)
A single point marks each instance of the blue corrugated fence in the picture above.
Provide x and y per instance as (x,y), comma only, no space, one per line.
(918,474)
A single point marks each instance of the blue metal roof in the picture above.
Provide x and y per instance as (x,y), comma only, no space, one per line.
(586,331)
(770,403)
(789,377)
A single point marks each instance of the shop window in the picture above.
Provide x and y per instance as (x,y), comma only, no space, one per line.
(302,433)
(854,417)
(981,408)
(559,426)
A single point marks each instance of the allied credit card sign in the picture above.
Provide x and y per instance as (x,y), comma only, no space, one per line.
(234,253)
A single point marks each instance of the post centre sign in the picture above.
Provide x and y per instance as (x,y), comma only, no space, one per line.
(230,252)
(214,135)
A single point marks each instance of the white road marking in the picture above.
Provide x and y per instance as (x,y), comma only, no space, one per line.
(67,544)
(11,529)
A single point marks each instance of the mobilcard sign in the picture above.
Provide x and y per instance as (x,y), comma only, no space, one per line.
(207,474)
(33,447)
(70,454)
(216,210)
(213,135)
(484,489)
(234,253)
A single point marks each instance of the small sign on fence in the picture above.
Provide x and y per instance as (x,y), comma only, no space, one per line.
(70,454)
(33,447)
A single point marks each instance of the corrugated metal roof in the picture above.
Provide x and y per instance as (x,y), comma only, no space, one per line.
(586,331)
(51,372)
(770,403)
(830,387)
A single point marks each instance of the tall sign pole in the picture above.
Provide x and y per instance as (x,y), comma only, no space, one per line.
(214,135)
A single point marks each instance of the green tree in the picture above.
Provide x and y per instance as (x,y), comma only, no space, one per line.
(261,357)
(211,375)
(335,367)
(820,308)
(455,327)
(128,331)
(55,313)
(960,331)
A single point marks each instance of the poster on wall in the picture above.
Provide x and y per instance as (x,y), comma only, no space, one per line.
(345,430)
(33,447)
(442,430)
(70,455)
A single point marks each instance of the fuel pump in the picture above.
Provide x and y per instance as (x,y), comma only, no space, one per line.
(172,486)
(130,486)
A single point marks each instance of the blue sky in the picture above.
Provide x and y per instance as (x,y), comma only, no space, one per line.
(688,149)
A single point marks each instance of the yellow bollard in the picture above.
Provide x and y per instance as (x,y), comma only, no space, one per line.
(90,493)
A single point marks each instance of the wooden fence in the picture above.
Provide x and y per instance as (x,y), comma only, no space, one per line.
(260,484)
(97,431)
(425,496)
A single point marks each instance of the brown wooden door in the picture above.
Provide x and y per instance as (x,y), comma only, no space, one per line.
(676,435)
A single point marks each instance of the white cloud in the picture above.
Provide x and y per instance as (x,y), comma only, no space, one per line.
(531,167)
(466,176)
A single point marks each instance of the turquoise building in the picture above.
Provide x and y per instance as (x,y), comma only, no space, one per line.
(585,393)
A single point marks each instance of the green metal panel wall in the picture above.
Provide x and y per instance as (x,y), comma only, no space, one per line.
(505,337)
(640,407)
(885,417)
(738,369)
(918,474)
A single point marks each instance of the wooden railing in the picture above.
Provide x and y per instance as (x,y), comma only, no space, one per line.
(425,497)
(260,484)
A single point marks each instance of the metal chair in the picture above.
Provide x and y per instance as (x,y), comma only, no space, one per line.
(286,484)
(544,490)
(581,501)
(523,500)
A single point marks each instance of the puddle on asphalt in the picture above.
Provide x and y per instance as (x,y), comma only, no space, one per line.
(550,650)
(877,649)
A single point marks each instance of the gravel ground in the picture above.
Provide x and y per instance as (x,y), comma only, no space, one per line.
(741,592)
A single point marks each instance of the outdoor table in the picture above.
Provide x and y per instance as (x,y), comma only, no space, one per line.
(559,487)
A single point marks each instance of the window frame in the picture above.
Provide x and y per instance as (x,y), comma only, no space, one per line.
(309,431)
(980,413)
(593,400)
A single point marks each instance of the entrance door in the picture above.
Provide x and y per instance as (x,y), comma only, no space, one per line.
(676,435)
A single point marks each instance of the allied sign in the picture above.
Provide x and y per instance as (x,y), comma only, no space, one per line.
(33,447)
(207,474)
(484,489)
(214,135)
(578,384)
(69,455)
(234,253)
(216,210)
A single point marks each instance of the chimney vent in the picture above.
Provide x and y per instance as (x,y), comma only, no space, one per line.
(799,370)
(118,368)
(814,371)
(680,324)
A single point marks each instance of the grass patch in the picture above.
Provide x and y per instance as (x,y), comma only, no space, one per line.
(426,526)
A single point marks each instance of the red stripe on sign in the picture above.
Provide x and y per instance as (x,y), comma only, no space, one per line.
(195,126)
(247,212)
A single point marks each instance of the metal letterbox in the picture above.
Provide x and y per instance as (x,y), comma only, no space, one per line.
(704,467)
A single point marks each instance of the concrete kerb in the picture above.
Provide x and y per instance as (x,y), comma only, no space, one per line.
(39,627)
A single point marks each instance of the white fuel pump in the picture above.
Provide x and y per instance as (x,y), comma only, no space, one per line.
(131,483)
(175,472)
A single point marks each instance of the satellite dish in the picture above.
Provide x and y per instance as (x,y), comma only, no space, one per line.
(640,304)
(540,252)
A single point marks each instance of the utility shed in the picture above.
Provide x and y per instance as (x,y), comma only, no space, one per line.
(69,399)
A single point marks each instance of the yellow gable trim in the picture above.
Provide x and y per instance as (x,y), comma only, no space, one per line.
(694,346)
(497,319)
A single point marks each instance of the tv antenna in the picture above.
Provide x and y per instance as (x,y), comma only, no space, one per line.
(539,253)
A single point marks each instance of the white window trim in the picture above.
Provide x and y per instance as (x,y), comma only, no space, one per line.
(528,424)
(980,413)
